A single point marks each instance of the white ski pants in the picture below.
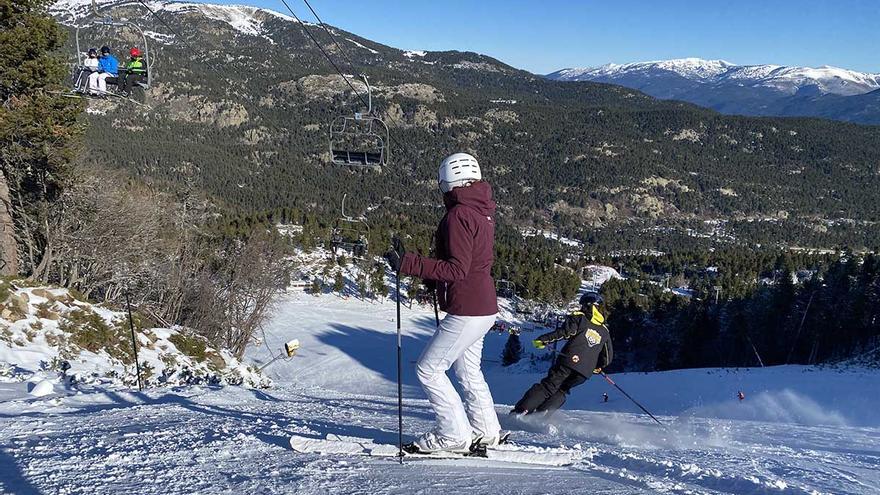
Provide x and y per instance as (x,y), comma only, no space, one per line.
(98,81)
(458,343)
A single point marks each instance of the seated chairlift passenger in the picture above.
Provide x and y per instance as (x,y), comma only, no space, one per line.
(108,70)
(89,65)
(135,73)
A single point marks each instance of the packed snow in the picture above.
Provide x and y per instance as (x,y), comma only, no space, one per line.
(799,430)
(598,275)
(547,234)
(359,45)
(161,37)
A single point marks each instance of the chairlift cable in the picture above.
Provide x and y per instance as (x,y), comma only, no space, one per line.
(330,34)
(308,33)
(324,52)
(178,36)
(348,59)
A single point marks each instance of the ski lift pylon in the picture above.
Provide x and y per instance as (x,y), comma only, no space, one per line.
(360,140)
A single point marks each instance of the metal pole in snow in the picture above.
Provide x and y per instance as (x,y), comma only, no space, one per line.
(399,374)
(800,327)
(137,363)
(760,361)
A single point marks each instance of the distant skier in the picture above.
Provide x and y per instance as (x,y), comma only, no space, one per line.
(587,351)
(466,292)
(741,396)
(604,396)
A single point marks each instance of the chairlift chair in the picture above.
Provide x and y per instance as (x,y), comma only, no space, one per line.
(346,236)
(360,140)
(524,305)
(79,86)
(505,288)
(350,234)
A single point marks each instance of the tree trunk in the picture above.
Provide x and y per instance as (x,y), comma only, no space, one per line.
(8,244)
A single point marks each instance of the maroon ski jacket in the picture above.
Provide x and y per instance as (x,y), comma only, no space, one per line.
(465,251)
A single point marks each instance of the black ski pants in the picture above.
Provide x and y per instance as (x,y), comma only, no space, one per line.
(549,394)
(130,80)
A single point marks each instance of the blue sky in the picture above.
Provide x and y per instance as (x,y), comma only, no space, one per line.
(545,35)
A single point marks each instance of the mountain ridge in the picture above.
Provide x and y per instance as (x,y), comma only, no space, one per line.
(587,161)
(785,78)
(760,90)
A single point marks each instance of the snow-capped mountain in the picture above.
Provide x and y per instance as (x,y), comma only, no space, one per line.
(828,80)
(243,18)
(788,80)
(746,89)
(690,68)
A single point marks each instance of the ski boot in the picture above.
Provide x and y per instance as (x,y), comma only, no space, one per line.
(502,438)
(432,442)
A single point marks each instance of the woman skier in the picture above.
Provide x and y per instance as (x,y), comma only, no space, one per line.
(587,351)
(466,292)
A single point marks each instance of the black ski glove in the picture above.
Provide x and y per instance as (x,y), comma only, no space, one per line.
(394,257)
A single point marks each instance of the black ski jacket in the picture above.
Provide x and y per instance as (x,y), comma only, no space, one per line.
(589,342)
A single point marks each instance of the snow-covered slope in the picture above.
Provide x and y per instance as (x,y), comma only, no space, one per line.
(787,80)
(49,336)
(800,430)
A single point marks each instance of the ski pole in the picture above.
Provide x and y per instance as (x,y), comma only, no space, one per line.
(629,397)
(399,373)
(434,291)
(436,311)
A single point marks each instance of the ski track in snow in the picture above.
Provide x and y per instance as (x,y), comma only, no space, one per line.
(235,440)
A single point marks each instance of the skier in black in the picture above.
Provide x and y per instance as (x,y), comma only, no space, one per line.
(587,351)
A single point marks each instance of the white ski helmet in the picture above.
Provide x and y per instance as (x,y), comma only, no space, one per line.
(457,170)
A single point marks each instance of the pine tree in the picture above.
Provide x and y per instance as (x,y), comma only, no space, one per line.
(363,287)
(512,352)
(377,281)
(339,282)
(37,129)
(412,290)
(327,270)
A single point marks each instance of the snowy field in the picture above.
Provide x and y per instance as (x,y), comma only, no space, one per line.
(800,430)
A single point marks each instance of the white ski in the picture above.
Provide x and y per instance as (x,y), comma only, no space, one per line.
(334,444)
